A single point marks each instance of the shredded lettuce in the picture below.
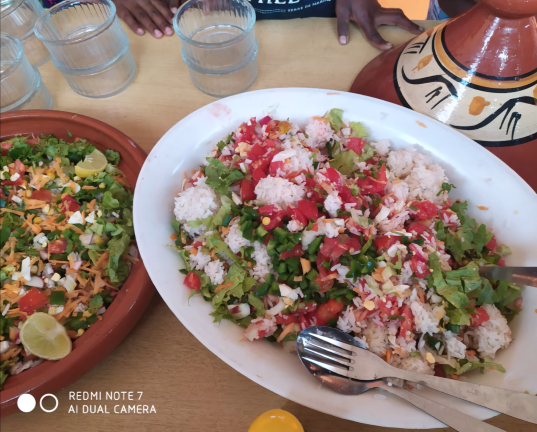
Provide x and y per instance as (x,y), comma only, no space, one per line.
(334,116)
(358,130)
(344,162)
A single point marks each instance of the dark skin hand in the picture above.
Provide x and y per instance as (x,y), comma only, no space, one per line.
(455,7)
(368,14)
(153,16)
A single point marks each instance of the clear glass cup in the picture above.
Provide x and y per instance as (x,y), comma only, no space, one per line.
(88,46)
(218,44)
(18,18)
(20,82)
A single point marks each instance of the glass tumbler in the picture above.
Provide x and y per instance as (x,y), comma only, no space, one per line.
(88,46)
(18,18)
(20,82)
(218,44)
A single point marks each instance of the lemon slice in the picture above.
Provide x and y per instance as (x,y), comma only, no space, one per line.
(45,337)
(94,163)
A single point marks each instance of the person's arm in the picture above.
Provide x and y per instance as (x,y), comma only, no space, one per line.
(368,14)
(154,16)
(455,7)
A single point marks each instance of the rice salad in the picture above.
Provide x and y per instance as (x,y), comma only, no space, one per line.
(286,227)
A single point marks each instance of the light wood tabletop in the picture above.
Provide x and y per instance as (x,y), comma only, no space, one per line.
(190,388)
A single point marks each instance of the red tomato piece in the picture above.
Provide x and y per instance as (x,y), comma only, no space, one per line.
(20,169)
(327,311)
(309,307)
(57,246)
(416,228)
(297,251)
(275,216)
(287,319)
(308,209)
(42,195)
(439,370)
(491,245)
(501,263)
(385,241)
(297,215)
(32,300)
(371,185)
(192,281)
(335,306)
(426,210)
(408,323)
(275,166)
(346,195)
(333,248)
(356,145)
(5,147)
(265,120)
(383,306)
(333,176)
(69,204)
(247,190)
(258,174)
(256,152)
(304,322)
(480,317)
(420,269)
(267,210)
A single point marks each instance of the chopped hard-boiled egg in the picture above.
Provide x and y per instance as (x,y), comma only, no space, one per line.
(76,218)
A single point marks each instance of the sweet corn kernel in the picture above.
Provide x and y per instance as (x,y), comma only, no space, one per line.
(33,269)
(102,186)
(37,220)
(80,332)
(28,193)
(51,175)
(86,314)
(97,239)
(24,184)
(266,221)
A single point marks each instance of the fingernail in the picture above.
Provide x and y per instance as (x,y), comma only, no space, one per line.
(343,40)
(174,9)
(422,29)
(168,31)
(388,45)
(158,33)
(140,32)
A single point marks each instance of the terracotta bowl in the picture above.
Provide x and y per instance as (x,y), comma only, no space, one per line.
(103,336)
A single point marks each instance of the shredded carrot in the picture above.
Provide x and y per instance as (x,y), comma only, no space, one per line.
(288,328)
(75,229)
(315,227)
(91,205)
(223,286)
(173,236)
(96,284)
(19,213)
(388,356)
(387,196)
(194,251)
(10,353)
(57,168)
(421,296)
(482,207)
(90,270)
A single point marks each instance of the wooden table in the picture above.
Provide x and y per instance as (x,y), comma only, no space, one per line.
(191,389)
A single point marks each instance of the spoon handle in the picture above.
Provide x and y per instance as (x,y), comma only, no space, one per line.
(520,405)
(453,418)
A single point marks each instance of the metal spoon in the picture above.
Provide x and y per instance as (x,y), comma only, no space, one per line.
(453,418)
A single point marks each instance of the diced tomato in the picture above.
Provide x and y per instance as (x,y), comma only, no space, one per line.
(247,190)
(316,197)
(42,195)
(5,147)
(275,216)
(20,169)
(297,251)
(275,166)
(420,269)
(57,246)
(385,241)
(255,152)
(439,370)
(335,306)
(267,210)
(308,209)
(416,228)
(383,306)
(371,185)
(32,300)
(501,263)
(287,319)
(69,204)
(197,244)
(321,280)
(246,132)
(348,198)
(303,322)
(2,193)
(192,281)
(272,128)
(426,210)
(356,145)
(264,121)
(333,176)
(297,215)
(480,317)
(491,245)
(332,248)
(258,174)
(408,323)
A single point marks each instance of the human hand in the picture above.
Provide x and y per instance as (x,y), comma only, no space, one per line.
(155,16)
(368,14)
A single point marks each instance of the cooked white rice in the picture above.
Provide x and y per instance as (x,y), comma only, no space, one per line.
(278,191)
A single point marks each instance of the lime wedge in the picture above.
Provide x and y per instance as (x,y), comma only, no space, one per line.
(94,163)
(45,337)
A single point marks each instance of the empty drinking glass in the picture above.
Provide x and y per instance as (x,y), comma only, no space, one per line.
(18,18)
(20,82)
(88,46)
(218,44)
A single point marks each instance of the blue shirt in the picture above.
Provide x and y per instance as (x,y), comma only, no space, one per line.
(286,9)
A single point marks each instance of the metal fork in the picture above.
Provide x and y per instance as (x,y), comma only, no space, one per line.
(323,347)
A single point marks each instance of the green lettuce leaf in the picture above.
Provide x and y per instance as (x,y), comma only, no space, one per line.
(367,153)
(112,157)
(458,316)
(479,365)
(215,242)
(358,130)
(344,162)
(334,116)
(117,246)
(257,303)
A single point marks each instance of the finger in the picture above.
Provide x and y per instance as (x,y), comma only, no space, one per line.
(129,19)
(371,33)
(154,15)
(143,18)
(164,10)
(174,5)
(398,18)
(343,24)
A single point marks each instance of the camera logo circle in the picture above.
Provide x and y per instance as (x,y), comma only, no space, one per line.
(41,403)
(26,403)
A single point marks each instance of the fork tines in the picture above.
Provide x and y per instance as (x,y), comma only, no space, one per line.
(333,358)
